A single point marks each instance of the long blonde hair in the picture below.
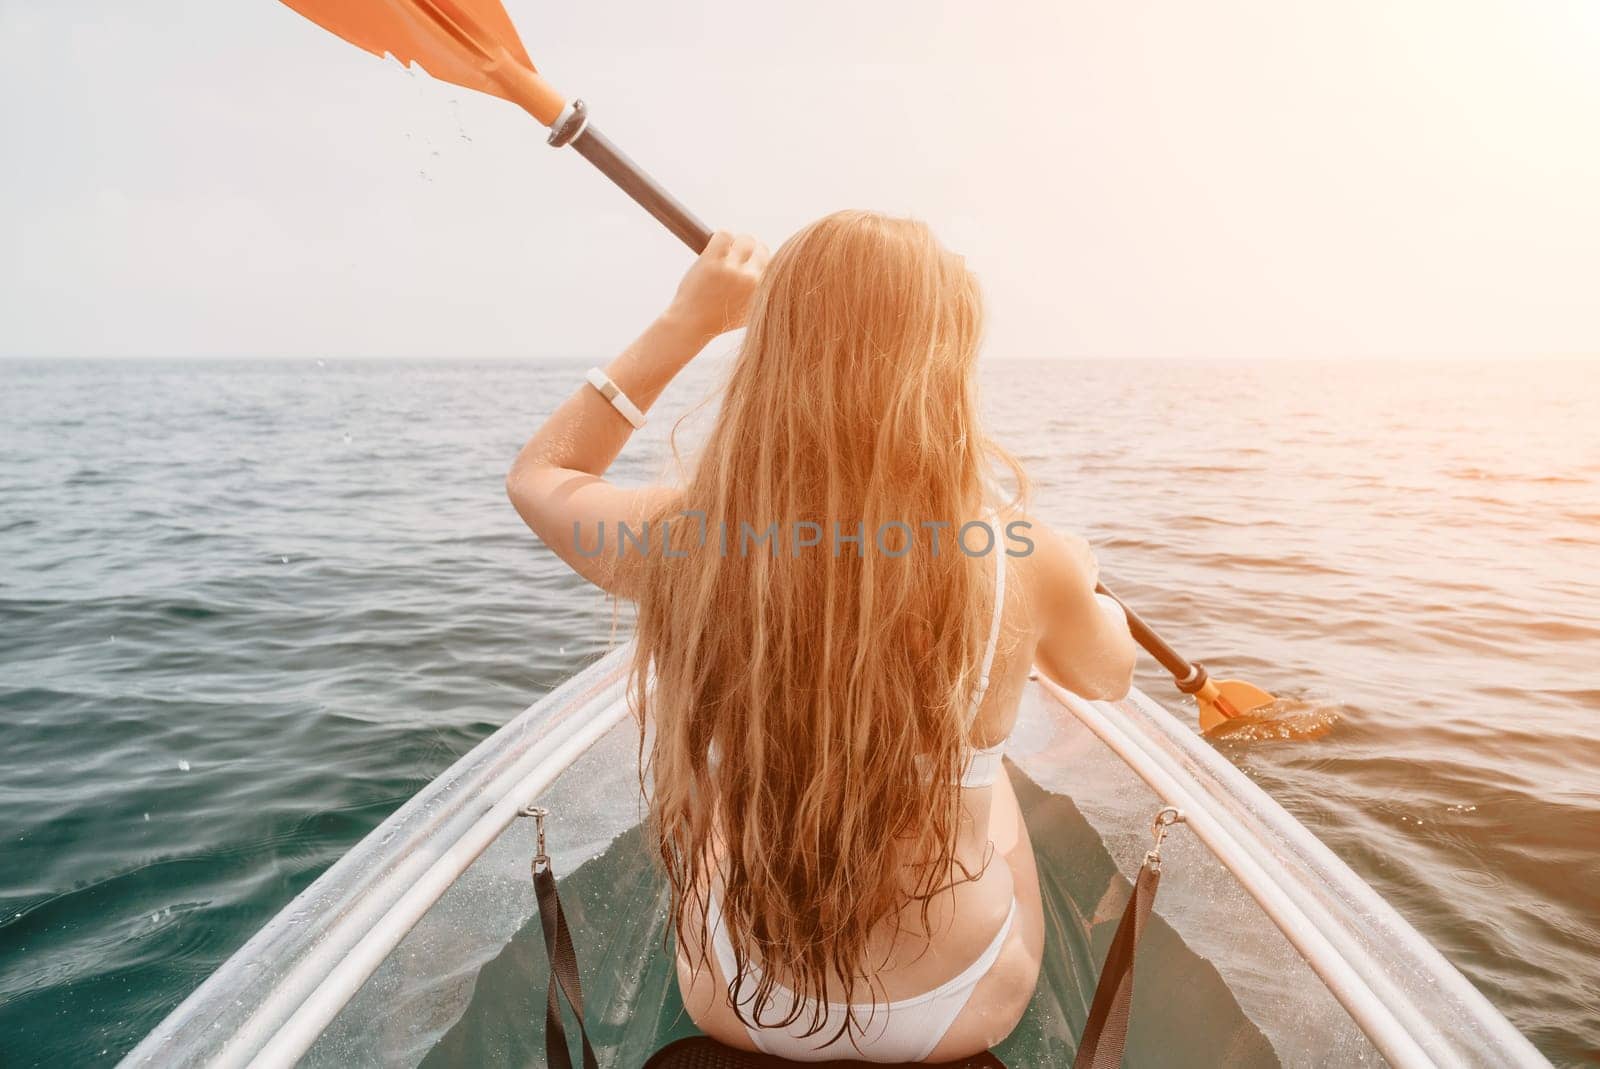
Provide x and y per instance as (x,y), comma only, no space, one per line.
(809,706)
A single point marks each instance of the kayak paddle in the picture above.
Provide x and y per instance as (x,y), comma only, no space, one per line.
(1220,700)
(472,43)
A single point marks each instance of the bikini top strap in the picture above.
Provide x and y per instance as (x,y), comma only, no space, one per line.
(998,551)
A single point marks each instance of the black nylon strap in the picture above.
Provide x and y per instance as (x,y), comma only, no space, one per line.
(1106,1032)
(563,957)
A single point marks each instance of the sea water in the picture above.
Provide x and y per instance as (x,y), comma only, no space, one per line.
(246,608)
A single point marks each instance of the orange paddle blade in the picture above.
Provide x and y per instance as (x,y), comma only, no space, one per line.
(470,43)
(1221,700)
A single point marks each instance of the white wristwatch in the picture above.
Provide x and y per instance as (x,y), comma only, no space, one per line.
(619,400)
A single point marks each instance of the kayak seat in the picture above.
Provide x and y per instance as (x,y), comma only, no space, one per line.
(703,1052)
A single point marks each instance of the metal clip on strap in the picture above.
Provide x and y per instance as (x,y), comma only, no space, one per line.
(1165,819)
(1105,1034)
(560,952)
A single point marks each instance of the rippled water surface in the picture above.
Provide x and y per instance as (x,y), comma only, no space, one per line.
(247,608)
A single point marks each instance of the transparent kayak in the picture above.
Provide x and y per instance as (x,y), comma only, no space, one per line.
(421,946)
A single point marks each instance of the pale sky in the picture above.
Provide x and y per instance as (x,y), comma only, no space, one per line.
(1164,178)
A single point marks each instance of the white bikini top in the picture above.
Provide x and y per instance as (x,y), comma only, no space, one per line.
(984,765)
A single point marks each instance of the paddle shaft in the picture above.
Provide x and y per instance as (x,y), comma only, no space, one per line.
(573,128)
(1145,635)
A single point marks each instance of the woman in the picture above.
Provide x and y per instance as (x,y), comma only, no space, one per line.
(836,619)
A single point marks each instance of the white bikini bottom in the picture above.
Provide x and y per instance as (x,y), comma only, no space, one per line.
(906,1030)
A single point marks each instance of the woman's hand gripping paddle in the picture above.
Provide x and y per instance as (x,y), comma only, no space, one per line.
(1220,700)
(472,43)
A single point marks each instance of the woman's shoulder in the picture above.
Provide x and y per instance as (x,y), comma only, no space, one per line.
(1056,559)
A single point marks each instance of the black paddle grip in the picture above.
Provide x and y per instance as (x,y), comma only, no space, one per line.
(593,146)
(1182,671)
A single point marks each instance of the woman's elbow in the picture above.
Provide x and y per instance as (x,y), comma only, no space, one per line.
(1130,661)
(1118,689)
(522,477)
(1110,690)
(522,492)
(1116,678)
(530,460)
(517,494)
(1100,681)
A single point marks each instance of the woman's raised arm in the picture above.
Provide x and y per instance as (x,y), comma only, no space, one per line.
(557,481)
